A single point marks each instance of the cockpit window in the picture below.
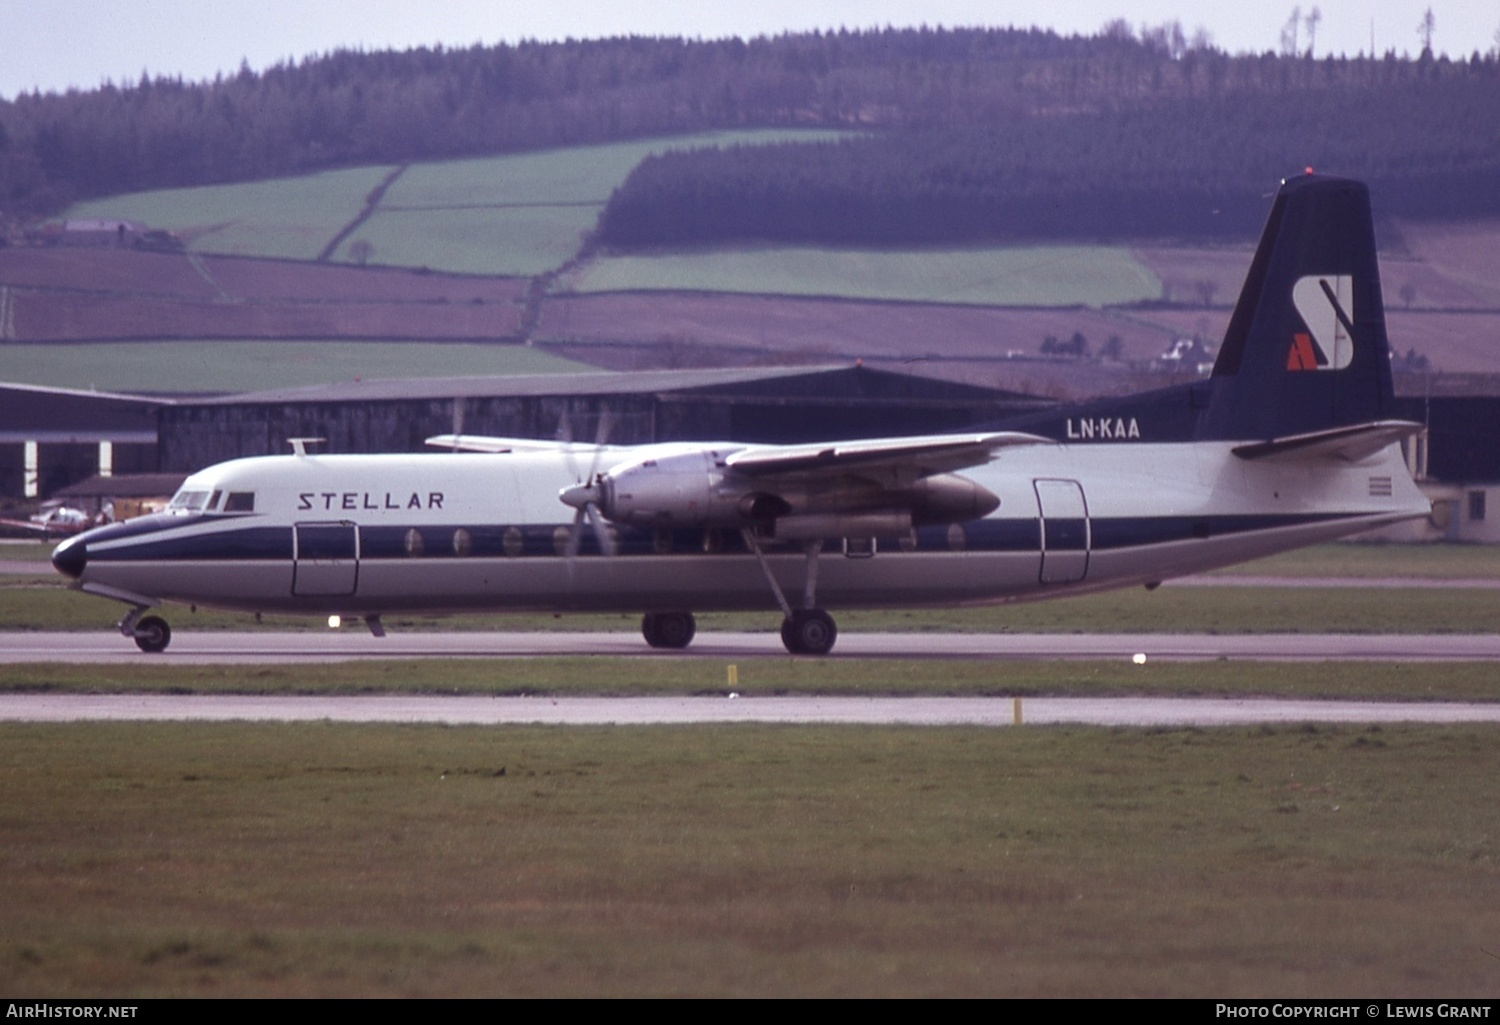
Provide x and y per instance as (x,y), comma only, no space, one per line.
(240,501)
(188,501)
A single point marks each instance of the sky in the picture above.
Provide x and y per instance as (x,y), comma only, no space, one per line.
(53,45)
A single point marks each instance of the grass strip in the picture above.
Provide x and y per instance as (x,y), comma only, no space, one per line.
(1448,681)
(322,860)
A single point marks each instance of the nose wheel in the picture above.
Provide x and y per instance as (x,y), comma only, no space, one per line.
(150,633)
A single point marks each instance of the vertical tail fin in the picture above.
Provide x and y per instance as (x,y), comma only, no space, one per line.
(1306,348)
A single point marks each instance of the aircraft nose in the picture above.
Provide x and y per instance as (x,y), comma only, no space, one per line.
(70,557)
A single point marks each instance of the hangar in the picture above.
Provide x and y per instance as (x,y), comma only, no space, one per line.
(765,405)
(51,438)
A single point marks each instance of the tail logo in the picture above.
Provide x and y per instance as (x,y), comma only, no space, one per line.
(1324,302)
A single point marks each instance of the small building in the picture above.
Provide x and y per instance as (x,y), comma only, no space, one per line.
(1457,459)
(96,232)
(53,437)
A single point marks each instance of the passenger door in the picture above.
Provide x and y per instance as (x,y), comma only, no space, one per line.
(1064,530)
(325,559)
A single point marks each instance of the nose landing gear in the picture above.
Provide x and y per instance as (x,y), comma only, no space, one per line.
(150,633)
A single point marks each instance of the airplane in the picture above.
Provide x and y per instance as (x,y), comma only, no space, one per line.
(1288,442)
(61,521)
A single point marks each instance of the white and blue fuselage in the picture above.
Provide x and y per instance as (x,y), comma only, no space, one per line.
(486,532)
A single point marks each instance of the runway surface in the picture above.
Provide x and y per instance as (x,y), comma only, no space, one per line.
(354,644)
(578,711)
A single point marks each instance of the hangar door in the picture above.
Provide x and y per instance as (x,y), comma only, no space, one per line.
(1064,530)
(325,559)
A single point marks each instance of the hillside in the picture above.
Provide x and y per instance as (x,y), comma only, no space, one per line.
(973,132)
(100,317)
(971,204)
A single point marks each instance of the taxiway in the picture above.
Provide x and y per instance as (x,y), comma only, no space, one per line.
(354,644)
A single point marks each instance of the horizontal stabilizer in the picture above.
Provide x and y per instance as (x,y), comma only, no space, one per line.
(1351,444)
(920,456)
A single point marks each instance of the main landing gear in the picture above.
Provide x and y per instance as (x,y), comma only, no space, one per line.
(805,631)
(150,633)
(669,629)
(808,630)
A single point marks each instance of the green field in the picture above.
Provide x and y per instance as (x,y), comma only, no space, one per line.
(582,174)
(516,214)
(151,860)
(290,218)
(1031,276)
(524,240)
(227,365)
(160,860)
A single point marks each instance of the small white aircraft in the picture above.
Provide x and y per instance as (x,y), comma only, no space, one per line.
(60,521)
(1288,443)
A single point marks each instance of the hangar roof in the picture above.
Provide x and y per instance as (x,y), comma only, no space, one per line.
(640,382)
(31,413)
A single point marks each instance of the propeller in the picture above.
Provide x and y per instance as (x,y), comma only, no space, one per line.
(586,496)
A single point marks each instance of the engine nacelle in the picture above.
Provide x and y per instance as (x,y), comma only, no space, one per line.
(678,490)
(692,489)
(949,498)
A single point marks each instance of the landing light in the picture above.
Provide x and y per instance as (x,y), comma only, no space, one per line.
(334,622)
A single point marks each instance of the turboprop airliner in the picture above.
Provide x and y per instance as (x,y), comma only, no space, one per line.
(1290,441)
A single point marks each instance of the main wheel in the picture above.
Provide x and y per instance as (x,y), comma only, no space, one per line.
(152,634)
(669,629)
(809,632)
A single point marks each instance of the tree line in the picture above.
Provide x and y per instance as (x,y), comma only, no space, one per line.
(1184,167)
(951,115)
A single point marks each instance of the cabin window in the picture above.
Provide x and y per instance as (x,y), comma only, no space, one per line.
(240,502)
(514,543)
(413,543)
(463,543)
(188,501)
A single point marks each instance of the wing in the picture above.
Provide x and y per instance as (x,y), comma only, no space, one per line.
(482,443)
(910,458)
